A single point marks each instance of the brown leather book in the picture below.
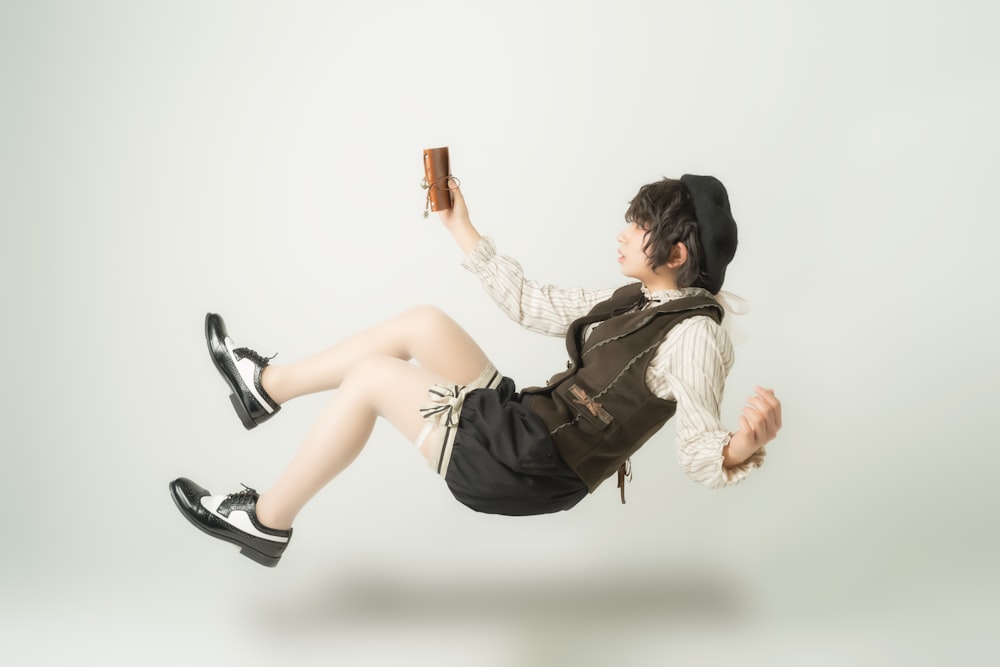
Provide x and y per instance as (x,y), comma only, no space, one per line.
(436,174)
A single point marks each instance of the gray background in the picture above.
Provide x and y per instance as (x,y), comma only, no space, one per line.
(262,160)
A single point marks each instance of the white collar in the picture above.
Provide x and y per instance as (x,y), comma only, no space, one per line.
(731,303)
(665,295)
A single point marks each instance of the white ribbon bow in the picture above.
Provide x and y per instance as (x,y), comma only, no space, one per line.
(446,404)
(732,304)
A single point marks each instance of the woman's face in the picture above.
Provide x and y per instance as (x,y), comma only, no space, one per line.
(632,258)
(635,262)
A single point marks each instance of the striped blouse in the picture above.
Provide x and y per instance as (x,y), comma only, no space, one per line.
(689,367)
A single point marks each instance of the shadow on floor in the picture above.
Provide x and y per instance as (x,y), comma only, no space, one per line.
(625,599)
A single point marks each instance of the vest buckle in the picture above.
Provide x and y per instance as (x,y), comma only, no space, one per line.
(580,397)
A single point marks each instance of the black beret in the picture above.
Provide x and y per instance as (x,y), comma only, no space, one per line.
(716,225)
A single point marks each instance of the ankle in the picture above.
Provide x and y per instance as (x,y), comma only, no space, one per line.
(268,517)
(270,382)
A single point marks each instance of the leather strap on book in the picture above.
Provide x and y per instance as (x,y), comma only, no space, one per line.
(438,184)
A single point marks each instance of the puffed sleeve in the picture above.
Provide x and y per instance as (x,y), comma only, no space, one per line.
(694,361)
(544,309)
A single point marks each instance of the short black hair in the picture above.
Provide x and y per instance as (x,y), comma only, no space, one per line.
(665,210)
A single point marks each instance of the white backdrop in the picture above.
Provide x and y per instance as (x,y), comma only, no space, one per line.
(262,160)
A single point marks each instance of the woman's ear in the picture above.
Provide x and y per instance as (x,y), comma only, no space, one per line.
(678,255)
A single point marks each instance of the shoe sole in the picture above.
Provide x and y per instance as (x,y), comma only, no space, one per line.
(249,552)
(241,412)
(234,398)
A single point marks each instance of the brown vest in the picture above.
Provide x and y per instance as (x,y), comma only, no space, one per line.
(600,411)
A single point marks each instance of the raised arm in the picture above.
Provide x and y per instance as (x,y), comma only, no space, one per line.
(456,220)
(540,308)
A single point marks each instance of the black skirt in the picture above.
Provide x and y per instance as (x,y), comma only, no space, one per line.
(503,460)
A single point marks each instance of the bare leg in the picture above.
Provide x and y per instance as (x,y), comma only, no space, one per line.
(374,386)
(424,334)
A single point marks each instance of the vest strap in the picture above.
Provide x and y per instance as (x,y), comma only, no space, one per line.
(624,474)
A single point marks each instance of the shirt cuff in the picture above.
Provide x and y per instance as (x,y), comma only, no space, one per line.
(702,461)
(480,256)
(737,474)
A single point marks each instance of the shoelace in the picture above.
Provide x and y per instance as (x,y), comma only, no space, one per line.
(253,355)
(244,496)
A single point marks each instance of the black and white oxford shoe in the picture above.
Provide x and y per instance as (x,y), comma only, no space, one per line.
(231,517)
(240,367)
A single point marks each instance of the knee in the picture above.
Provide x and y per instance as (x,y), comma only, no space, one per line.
(427,319)
(365,375)
(425,313)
